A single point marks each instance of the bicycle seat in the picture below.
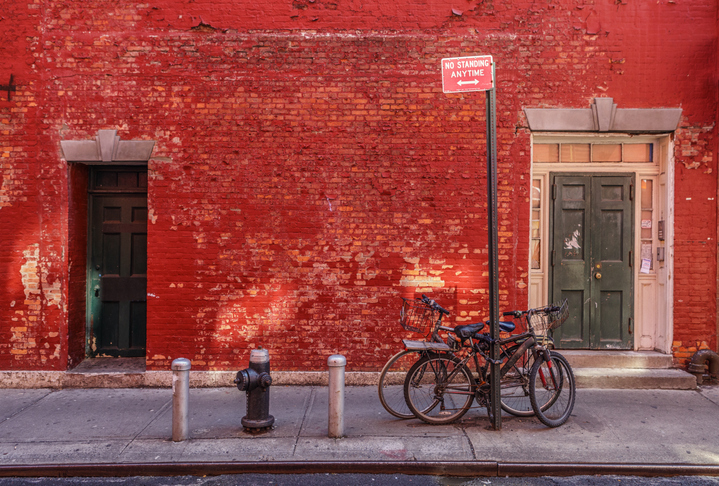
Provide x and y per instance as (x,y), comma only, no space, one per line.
(467,330)
(505,326)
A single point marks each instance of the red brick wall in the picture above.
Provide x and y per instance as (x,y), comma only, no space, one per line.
(309,170)
(695,270)
(32,210)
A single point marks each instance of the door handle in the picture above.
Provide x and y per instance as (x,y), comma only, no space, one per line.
(598,276)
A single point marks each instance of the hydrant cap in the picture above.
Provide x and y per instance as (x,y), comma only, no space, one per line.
(336,360)
(259,356)
(181,364)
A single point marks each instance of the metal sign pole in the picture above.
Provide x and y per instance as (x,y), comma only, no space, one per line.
(456,74)
(495,376)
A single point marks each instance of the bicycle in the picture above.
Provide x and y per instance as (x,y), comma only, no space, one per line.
(439,389)
(424,316)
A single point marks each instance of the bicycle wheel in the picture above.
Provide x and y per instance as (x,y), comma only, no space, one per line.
(552,390)
(439,389)
(391,383)
(515,384)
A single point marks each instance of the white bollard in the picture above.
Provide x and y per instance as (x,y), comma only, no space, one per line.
(180,399)
(337,364)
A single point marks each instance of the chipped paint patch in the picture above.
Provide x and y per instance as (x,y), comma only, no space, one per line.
(30,339)
(11,183)
(29,272)
(694,147)
(420,276)
(35,278)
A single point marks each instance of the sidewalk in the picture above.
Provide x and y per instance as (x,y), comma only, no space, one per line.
(92,429)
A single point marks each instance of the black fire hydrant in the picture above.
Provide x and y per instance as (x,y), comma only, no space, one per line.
(256,381)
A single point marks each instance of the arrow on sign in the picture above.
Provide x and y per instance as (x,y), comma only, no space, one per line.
(461,83)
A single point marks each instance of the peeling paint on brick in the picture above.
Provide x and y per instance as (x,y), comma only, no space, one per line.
(694,149)
(35,279)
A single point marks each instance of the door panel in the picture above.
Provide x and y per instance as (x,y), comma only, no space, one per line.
(592,237)
(612,273)
(574,328)
(570,265)
(118,275)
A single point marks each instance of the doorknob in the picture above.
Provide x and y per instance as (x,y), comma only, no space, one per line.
(598,276)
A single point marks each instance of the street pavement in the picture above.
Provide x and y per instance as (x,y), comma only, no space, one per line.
(128,431)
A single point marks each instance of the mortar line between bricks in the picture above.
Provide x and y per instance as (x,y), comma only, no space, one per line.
(157,414)
(308,408)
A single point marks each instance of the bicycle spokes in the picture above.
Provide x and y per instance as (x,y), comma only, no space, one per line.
(439,389)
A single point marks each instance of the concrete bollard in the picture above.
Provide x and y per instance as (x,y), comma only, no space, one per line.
(180,399)
(337,364)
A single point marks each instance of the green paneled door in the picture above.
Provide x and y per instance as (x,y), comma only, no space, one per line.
(591,249)
(118,275)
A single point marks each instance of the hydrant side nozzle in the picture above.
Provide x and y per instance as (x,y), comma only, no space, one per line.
(265,380)
(246,379)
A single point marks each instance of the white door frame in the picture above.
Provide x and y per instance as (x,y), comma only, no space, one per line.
(653,291)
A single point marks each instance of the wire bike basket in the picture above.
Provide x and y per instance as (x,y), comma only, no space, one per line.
(418,317)
(550,317)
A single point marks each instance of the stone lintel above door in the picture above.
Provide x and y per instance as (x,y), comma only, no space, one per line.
(603,116)
(107,149)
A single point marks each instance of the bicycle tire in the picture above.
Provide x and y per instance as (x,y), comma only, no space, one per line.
(391,383)
(438,390)
(515,384)
(554,387)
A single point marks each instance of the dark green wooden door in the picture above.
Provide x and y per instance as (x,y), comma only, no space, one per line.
(592,236)
(118,275)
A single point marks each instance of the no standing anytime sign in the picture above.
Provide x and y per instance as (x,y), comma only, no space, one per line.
(460,74)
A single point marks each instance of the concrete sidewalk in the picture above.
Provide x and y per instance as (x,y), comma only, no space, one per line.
(95,428)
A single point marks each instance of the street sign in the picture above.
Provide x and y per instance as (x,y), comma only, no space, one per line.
(461,74)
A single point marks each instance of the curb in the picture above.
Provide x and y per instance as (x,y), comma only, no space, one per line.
(457,469)
(163,379)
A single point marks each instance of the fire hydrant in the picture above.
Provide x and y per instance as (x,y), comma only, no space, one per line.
(256,381)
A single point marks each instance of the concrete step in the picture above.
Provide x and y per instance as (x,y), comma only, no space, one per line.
(633,378)
(618,359)
(627,370)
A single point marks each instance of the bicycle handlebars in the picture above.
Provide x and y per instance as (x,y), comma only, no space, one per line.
(518,314)
(434,305)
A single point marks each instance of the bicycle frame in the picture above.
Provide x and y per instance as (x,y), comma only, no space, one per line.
(529,341)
